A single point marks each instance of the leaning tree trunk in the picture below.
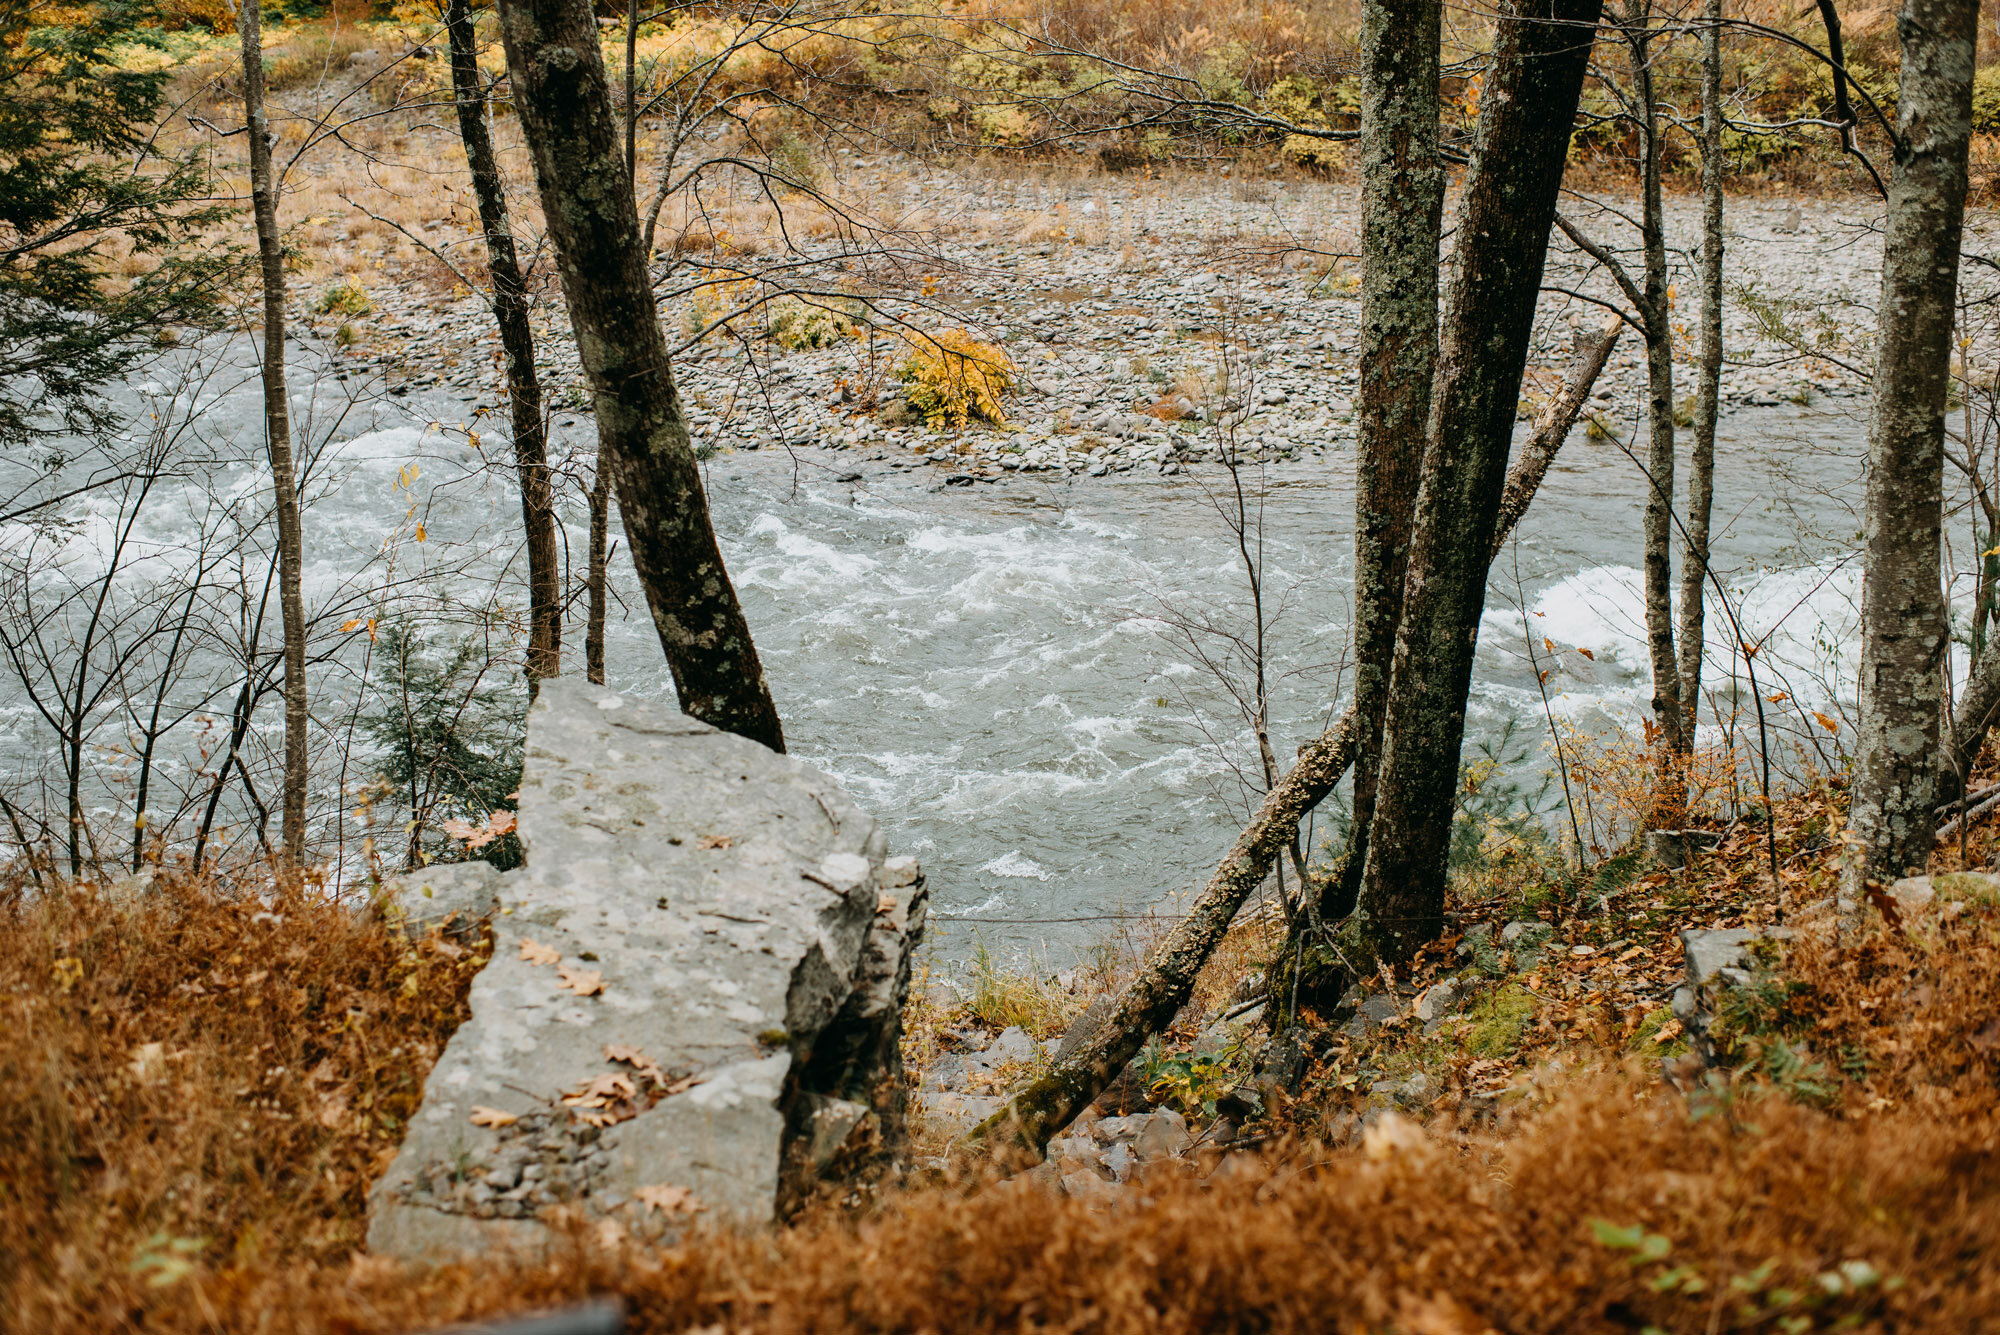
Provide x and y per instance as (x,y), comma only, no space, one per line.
(1152,999)
(1167,981)
(278,431)
(564,100)
(1659,513)
(1903,620)
(1402,198)
(1977,709)
(1708,391)
(517,349)
(1540,53)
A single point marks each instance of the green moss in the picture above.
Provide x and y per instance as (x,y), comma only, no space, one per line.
(1643,1038)
(1972,887)
(1498,1021)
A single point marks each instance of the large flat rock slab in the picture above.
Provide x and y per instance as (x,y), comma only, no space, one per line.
(693,1001)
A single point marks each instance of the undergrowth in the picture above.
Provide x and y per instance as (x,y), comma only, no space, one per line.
(200,1083)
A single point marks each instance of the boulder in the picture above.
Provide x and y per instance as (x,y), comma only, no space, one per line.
(451,895)
(1672,849)
(694,1002)
(1717,959)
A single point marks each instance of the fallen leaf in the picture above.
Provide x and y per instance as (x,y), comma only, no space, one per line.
(1831,725)
(1667,1032)
(1586,653)
(492,1117)
(1779,698)
(714,841)
(148,1060)
(496,824)
(637,1060)
(885,903)
(600,1091)
(668,1199)
(332,1111)
(583,982)
(534,952)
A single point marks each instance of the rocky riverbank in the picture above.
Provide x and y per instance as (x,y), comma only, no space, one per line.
(1153,324)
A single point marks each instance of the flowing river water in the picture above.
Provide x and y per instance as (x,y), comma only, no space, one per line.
(1001,671)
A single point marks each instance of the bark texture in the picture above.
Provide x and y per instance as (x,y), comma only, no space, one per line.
(1978,708)
(1152,999)
(1540,53)
(1402,200)
(517,350)
(1903,618)
(564,100)
(1700,502)
(278,432)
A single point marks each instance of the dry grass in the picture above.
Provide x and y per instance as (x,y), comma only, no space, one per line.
(216,1181)
(192,1078)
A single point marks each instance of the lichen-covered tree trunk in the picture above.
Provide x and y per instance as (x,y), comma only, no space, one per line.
(1657,318)
(1708,386)
(1402,200)
(1152,999)
(1892,819)
(1540,53)
(517,350)
(1973,716)
(564,100)
(278,432)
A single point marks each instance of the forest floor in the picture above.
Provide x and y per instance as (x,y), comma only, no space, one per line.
(201,1085)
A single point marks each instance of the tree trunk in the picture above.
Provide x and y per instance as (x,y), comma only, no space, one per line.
(1903,620)
(1978,707)
(1170,974)
(1551,429)
(1541,51)
(1151,1000)
(1708,389)
(278,432)
(517,348)
(1659,517)
(1402,199)
(564,101)
(595,585)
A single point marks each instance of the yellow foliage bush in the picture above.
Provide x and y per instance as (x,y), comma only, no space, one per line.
(953,378)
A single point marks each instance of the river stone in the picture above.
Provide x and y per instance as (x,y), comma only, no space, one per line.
(449,895)
(732,905)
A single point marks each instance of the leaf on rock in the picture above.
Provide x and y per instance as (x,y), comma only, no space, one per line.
(668,1199)
(583,982)
(534,952)
(714,841)
(492,1117)
(637,1060)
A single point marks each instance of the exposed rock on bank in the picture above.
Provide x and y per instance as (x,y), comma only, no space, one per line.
(694,1002)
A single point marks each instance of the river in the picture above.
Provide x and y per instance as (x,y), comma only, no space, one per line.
(995,669)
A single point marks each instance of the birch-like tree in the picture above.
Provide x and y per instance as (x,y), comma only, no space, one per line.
(1891,824)
(264,185)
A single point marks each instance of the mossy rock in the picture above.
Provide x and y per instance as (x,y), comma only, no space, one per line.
(1498,1020)
(1644,1038)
